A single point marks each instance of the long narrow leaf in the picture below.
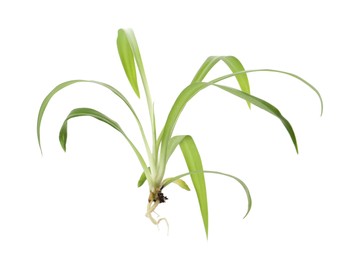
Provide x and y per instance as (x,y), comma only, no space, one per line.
(265,106)
(193,89)
(247,192)
(207,65)
(71,82)
(173,143)
(63,134)
(234,65)
(274,71)
(194,163)
(127,58)
(127,36)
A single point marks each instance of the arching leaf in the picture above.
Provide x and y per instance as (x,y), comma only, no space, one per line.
(63,134)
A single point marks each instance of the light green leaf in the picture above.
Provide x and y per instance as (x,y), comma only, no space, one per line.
(265,106)
(127,58)
(247,192)
(182,184)
(194,163)
(63,134)
(173,143)
(142,179)
(236,66)
(194,88)
(71,82)
(274,71)
(232,62)
(127,36)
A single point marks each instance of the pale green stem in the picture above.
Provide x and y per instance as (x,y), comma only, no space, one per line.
(150,106)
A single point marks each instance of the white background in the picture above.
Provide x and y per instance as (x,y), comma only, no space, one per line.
(84,204)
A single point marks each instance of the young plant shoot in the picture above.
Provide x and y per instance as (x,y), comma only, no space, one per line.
(160,147)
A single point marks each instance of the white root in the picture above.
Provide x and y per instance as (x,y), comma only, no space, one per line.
(151,206)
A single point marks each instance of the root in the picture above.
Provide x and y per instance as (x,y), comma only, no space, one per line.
(151,206)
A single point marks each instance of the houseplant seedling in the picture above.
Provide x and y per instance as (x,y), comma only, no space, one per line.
(162,146)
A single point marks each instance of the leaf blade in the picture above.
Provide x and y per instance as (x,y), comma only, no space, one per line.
(245,187)
(127,58)
(65,84)
(78,112)
(194,163)
(182,184)
(234,65)
(191,91)
(142,178)
(265,106)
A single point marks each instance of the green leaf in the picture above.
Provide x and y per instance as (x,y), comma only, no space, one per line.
(173,143)
(71,82)
(265,106)
(63,134)
(232,62)
(182,184)
(194,88)
(247,192)
(194,163)
(142,178)
(127,38)
(274,71)
(127,58)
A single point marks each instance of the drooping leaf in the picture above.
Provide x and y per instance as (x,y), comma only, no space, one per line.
(194,163)
(247,192)
(173,143)
(234,65)
(63,134)
(127,37)
(194,88)
(71,82)
(127,58)
(265,106)
(274,71)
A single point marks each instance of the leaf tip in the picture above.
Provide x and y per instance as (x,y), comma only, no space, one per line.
(246,214)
